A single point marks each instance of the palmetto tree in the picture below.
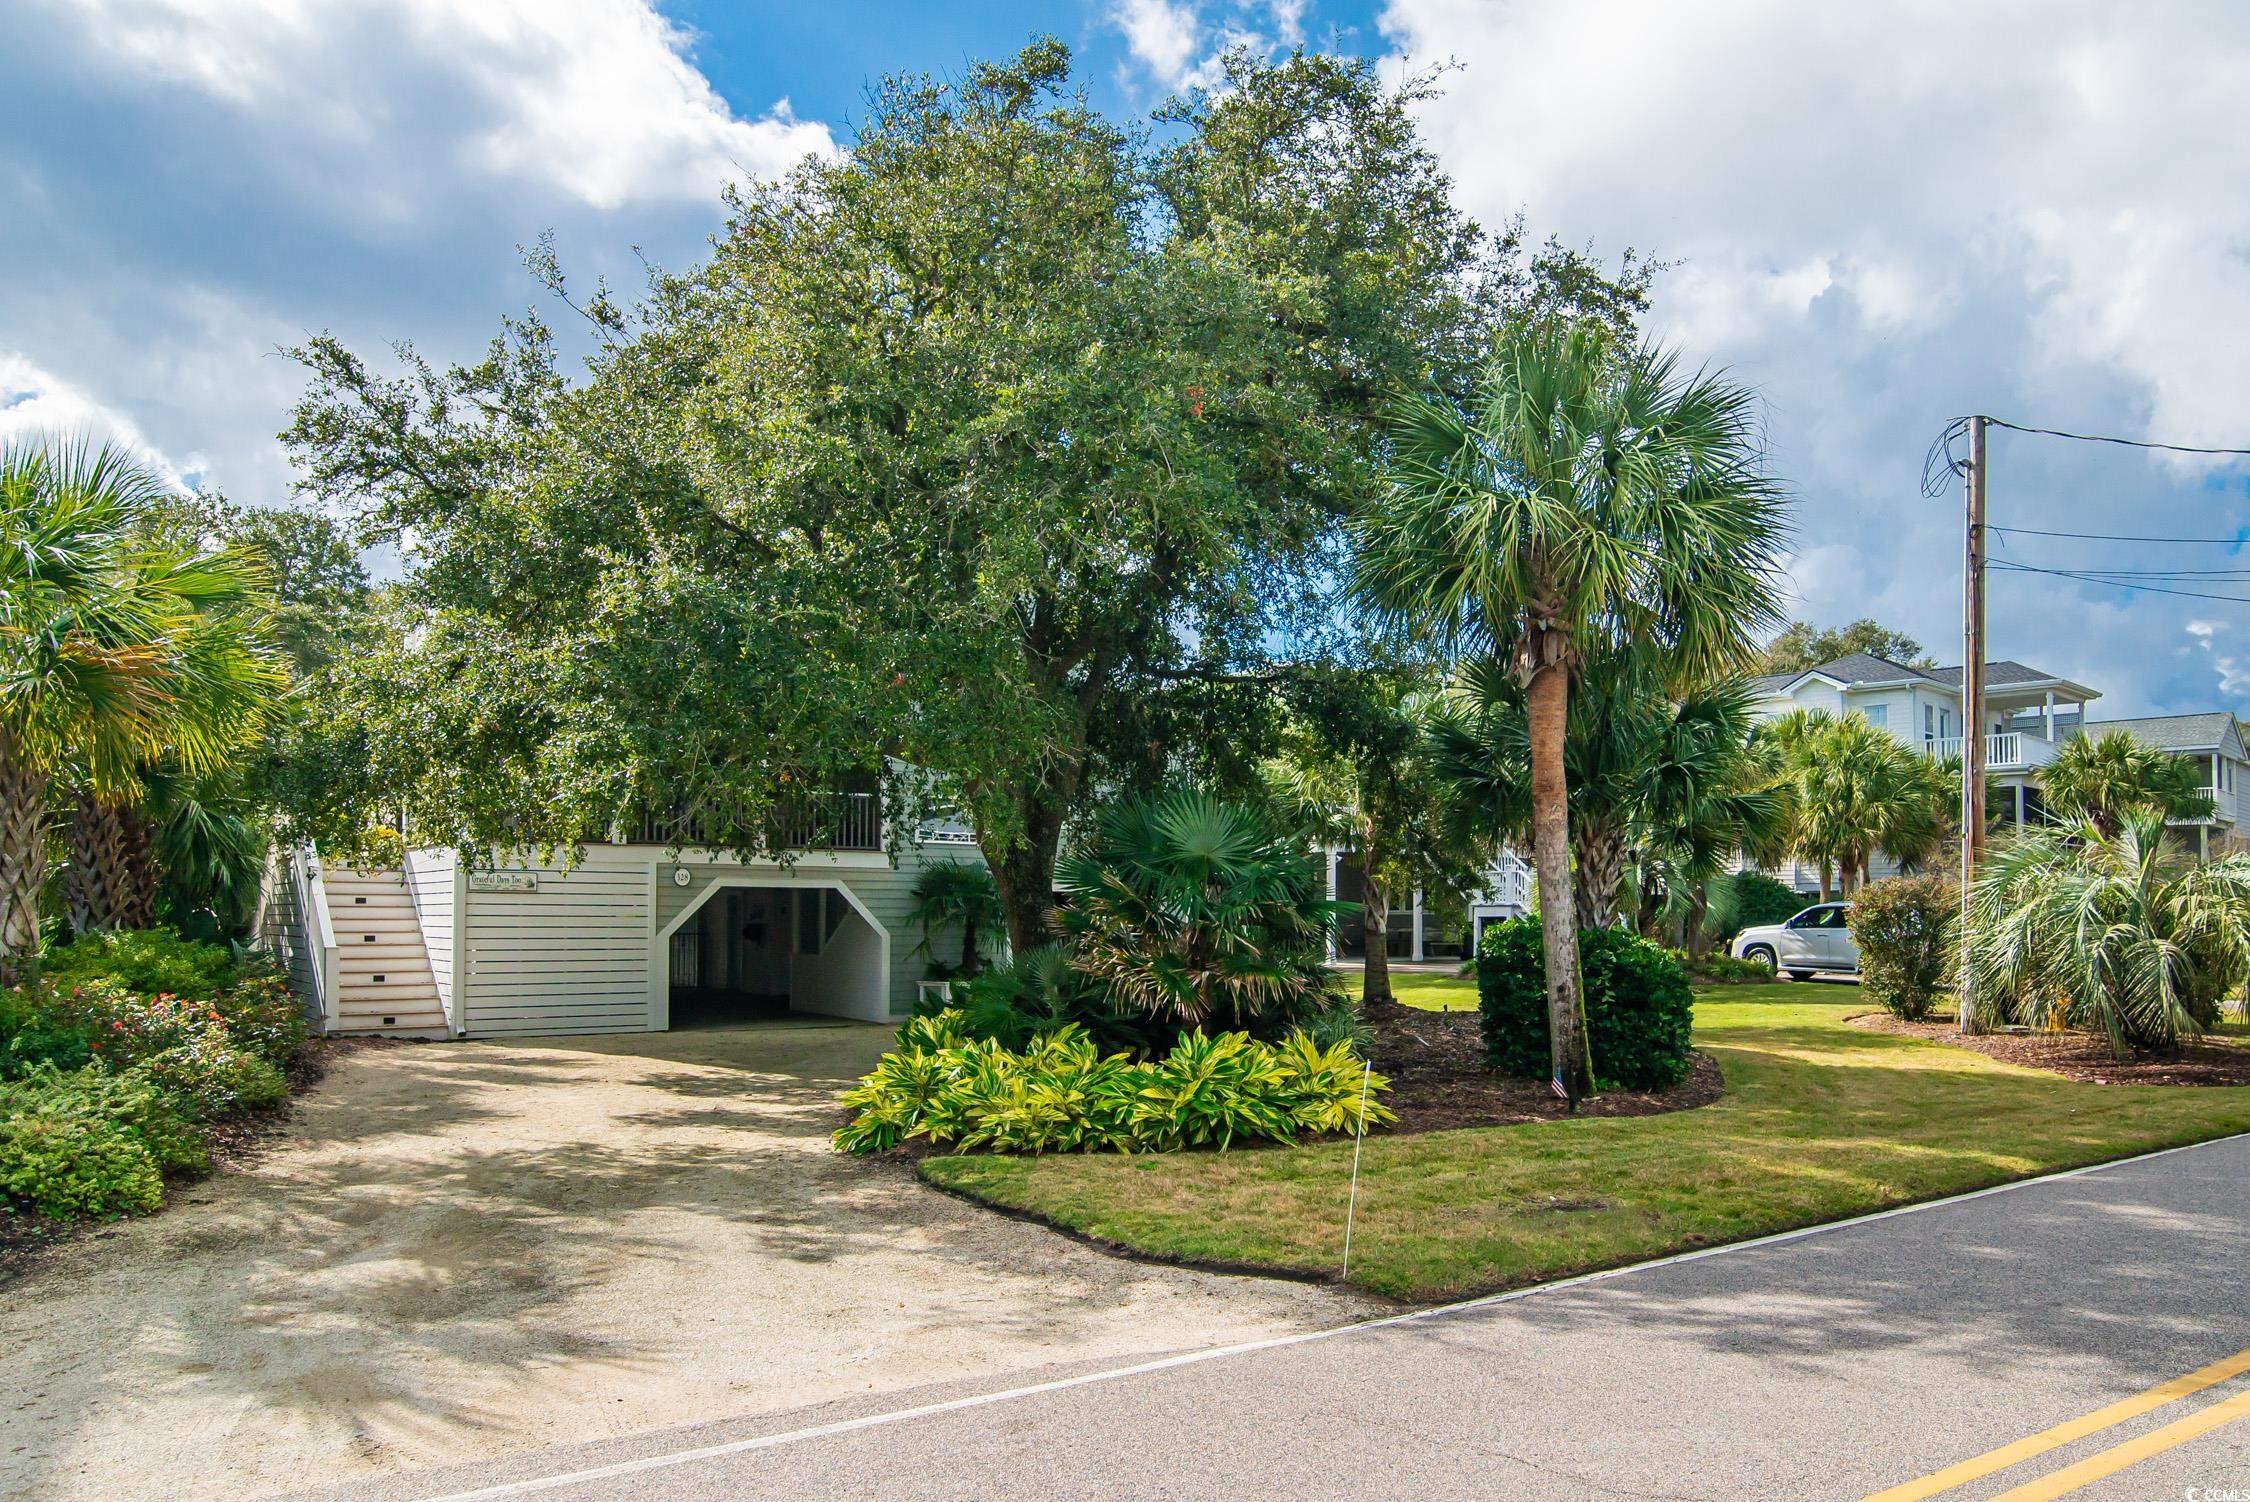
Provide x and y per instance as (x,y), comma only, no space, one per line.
(2120,931)
(1197,912)
(1582,497)
(1854,791)
(962,894)
(2100,779)
(114,653)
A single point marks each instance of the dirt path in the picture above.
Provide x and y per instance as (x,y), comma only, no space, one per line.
(468,1249)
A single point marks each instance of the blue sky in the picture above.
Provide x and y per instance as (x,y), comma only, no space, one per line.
(186,185)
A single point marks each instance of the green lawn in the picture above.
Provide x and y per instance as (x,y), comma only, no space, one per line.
(1820,1121)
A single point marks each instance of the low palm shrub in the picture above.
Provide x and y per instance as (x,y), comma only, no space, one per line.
(1060,1093)
(1906,929)
(1638,1005)
(1195,913)
(2119,932)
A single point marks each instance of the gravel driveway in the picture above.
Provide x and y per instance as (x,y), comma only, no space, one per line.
(461,1250)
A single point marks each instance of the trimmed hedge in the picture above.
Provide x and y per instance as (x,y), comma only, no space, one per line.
(1639,1009)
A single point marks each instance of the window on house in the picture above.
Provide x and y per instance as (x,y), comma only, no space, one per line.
(1929,722)
(1879,715)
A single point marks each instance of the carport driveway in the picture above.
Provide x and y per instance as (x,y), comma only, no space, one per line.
(462,1250)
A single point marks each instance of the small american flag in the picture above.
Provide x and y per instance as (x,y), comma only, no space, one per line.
(1559,1090)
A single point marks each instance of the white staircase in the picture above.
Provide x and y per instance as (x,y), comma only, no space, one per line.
(384,984)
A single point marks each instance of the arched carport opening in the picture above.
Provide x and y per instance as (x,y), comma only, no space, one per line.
(759,945)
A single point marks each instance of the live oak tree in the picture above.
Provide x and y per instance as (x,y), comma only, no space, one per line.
(997,443)
(1802,645)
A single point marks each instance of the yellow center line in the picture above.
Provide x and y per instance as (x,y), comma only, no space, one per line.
(2117,1457)
(1962,1473)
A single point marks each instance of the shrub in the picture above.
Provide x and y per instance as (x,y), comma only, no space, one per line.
(1193,912)
(1638,1005)
(150,961)
(1748,899)
(1905,930)
(216,1077)
(1062,1094)
(1718,969)
(64,1162)
(261,1015)
(131,1100)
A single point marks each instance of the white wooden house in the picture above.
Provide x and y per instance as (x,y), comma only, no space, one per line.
(639,935)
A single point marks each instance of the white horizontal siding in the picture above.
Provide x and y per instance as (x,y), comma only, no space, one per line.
(429,881)
(575,955)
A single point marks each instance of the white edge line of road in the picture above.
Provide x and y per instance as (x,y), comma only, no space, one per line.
(1271,1343)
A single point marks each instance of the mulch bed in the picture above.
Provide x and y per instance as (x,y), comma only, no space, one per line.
(2081,1056)
(1435,1061)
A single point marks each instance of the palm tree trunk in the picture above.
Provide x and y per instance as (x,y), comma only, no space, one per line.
(136,906)
(1827,881)
(96,883)
(1693,939)
(1547,700)
(1601,871)
(23,860)
(1375,931)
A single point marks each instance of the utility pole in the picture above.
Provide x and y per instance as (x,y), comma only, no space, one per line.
(1972,695)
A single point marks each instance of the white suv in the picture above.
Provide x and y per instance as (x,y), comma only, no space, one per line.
(1816,939)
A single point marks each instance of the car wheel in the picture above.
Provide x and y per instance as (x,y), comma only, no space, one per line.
(1800,975)
(1759,955)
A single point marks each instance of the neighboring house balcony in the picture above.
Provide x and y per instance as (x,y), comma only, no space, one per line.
(2004,750)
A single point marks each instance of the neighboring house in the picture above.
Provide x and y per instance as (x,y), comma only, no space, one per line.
(1505,892)
(2214,743)
(2028,715)
(641,935)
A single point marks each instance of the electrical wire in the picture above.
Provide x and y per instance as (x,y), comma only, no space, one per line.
(2224,542)
(2130,443)
(2083,577)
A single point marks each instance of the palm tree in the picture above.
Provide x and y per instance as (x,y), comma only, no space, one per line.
(1582,498)
(1198,913)
(962,893)
(113,653)
(1651,772)
(2100,779)
(2085,927)
(1853,790)
(1354,776)
(1706,796)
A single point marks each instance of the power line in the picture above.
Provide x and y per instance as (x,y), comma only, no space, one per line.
(2095,578)
(2129,443)
(2227,542)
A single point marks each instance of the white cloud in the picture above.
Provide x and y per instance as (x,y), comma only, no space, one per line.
(596,97)
(1162,35)
(1880,241)
(36,406)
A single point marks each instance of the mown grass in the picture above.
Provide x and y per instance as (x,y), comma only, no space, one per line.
(1821,1121)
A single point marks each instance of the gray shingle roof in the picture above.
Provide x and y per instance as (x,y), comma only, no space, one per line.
(1996,674)
(1852,667)
(2172,732)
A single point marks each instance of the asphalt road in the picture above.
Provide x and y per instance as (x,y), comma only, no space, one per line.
(1840,1364)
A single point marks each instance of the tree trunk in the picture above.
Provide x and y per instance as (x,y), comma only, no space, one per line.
(1601,870)
(137,899)
(1547,697)
(1024,871)
(970,963)
(98,884)
(1827,881)
(1375,932)
(23,861)
(1693,939)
